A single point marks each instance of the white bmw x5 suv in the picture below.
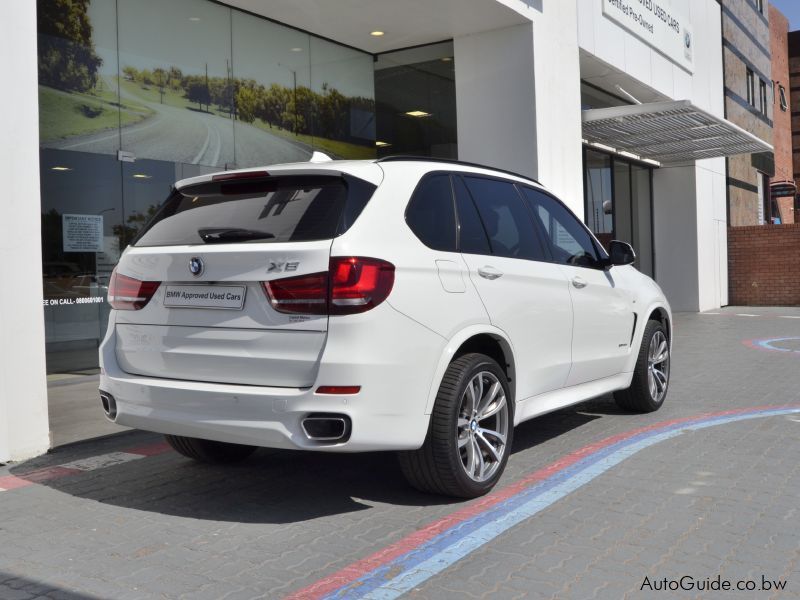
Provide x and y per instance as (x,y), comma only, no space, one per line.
(416,305)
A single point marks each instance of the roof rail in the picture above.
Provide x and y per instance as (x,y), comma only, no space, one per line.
(453,161)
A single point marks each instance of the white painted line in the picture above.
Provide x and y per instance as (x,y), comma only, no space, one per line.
(102,461)
(788,317)
(215,160)
(200,154)
(710,313)
(746,315)
(136,128)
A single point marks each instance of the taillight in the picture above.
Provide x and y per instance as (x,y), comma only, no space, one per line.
(359,284)
(352,285)
(306,294)
(127,293)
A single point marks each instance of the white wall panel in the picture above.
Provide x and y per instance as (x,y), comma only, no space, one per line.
(24,430)
(495,98)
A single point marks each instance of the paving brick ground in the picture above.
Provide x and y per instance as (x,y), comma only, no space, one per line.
(719,501)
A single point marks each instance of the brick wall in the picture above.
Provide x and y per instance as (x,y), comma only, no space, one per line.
(782,126)
(764,265)
(745,33)
(794,104)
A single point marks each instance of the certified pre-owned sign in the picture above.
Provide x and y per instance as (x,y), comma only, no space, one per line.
(204,296)
(657,24)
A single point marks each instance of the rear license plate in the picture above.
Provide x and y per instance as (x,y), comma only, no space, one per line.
(229,297)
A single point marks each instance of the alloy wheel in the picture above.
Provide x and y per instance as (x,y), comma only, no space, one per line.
(482,428)
(658,366)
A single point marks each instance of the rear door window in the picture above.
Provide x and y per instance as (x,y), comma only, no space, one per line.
(274,209)
(430,213)
(505,219)
(471,235)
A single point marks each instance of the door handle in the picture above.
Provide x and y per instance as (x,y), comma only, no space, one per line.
(579,282)
(488,272)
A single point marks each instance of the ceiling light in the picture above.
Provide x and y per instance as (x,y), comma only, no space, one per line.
(447,58)
(61,169)
(195,19)
(141,176)
(297,49)
(418,113)
(377,33)
(381,144)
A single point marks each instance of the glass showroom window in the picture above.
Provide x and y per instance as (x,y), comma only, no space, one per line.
(415,95)
(129,104)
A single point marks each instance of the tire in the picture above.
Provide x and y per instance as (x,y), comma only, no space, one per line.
(641,396)
(456,445)
(209,451)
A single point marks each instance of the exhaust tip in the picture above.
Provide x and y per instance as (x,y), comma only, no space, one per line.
(109,405)
(326,427)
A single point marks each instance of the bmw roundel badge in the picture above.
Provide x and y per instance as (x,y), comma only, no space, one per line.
(196,266)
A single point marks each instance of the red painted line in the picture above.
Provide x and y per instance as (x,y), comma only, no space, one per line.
(754,345)
(12,482)
(359,568)
(151,449)
(48,474)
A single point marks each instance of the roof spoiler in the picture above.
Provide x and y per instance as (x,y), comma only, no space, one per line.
(319,157)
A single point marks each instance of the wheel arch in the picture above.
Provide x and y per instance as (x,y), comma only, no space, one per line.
(657,311)
(490,341)
(661,314)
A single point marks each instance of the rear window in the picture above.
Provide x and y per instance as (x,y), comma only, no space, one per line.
(274,209)
(431,215)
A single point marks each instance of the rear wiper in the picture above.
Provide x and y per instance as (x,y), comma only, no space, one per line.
(221,235)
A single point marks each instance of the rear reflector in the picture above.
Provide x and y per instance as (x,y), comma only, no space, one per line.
(236,176)
(351,285)
(338,389)
(127,293)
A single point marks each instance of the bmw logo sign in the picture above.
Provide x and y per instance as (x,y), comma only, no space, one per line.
(196,266)
(687,40)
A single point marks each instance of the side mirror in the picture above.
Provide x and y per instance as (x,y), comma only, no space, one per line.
(620,253)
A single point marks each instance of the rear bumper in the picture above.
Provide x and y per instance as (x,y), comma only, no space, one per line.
(391,357)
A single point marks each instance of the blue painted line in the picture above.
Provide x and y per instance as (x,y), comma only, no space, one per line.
(413,568)
(768,344)
(378,577)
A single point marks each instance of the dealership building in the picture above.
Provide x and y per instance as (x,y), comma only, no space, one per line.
(617,106)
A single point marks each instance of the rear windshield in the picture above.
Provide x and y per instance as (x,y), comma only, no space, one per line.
(273,209)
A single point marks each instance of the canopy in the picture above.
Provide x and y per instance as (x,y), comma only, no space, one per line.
(668,132)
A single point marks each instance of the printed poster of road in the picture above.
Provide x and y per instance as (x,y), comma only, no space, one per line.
(167,88)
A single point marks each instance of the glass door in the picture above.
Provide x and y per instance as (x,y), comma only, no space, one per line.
(619,204)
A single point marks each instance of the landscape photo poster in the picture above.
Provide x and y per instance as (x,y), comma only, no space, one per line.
(194,82)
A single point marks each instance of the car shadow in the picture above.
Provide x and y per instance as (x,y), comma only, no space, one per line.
(17,586)
(273,486)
